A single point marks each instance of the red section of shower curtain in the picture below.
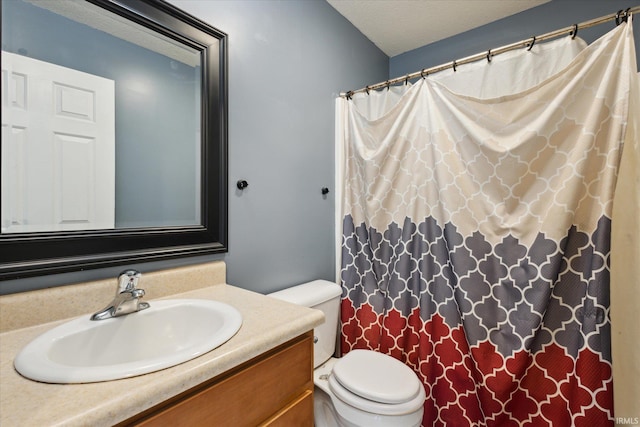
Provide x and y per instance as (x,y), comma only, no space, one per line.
(477,386)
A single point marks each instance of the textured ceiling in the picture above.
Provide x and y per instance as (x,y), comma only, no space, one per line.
(398,26)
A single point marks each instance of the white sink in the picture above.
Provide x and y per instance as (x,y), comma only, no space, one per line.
(168,333)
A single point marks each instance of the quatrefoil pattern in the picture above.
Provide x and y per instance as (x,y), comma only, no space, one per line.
(476,242)
(497,333)
(520,298)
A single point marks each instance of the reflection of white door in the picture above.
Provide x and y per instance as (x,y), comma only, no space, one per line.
(58,148)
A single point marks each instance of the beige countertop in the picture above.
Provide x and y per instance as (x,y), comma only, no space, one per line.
(267,323)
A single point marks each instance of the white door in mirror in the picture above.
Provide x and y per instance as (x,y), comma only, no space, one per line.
(58,147)
(170,332)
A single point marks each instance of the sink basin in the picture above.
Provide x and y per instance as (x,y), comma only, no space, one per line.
(168,333)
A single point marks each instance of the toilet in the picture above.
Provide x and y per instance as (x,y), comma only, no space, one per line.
(363,388)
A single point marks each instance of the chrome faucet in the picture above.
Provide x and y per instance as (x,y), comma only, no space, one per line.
(127,299)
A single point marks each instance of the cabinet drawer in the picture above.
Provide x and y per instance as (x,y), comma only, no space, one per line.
(299,413)
(254,392)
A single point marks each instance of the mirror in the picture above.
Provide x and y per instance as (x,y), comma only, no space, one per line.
(114,145)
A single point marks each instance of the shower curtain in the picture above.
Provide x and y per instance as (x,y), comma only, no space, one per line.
(476,231)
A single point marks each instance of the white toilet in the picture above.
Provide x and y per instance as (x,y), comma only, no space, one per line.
(362,389)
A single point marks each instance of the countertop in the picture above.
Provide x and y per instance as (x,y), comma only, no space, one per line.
(267,323)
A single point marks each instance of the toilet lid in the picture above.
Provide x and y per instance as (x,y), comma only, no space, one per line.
(353,401)
(377,377)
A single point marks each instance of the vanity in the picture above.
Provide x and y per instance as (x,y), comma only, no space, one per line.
(263,375)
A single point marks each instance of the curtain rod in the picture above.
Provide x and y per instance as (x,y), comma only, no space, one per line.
(619,17)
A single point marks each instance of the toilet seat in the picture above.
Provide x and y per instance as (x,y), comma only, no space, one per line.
(373,407)
(376,383)
(376,376)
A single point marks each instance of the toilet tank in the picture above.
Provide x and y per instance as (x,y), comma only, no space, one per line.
(324,296)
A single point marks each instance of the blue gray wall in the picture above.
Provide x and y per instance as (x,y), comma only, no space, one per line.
(539,20)
(288,60)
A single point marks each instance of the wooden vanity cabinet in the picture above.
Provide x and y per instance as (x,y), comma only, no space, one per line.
(273,389)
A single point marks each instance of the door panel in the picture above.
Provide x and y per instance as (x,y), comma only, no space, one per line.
(58,148)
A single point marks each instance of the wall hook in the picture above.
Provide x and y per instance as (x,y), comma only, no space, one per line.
(242,184)
(324,190)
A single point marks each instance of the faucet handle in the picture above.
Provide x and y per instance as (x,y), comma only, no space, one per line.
(128,281)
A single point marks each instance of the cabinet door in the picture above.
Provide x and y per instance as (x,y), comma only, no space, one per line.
(273,390)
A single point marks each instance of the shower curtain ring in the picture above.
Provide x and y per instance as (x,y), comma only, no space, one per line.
(424,73)
(366,88)
(574,33)
(533,41)
(489,55)
(622,16)
(454,66)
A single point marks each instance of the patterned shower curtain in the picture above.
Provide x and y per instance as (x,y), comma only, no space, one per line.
(475,240)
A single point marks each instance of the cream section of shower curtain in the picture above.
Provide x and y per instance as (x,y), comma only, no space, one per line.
(506,73)
(499,79)
(625,274)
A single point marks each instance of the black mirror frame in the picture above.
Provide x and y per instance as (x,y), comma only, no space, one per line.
(33,254)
